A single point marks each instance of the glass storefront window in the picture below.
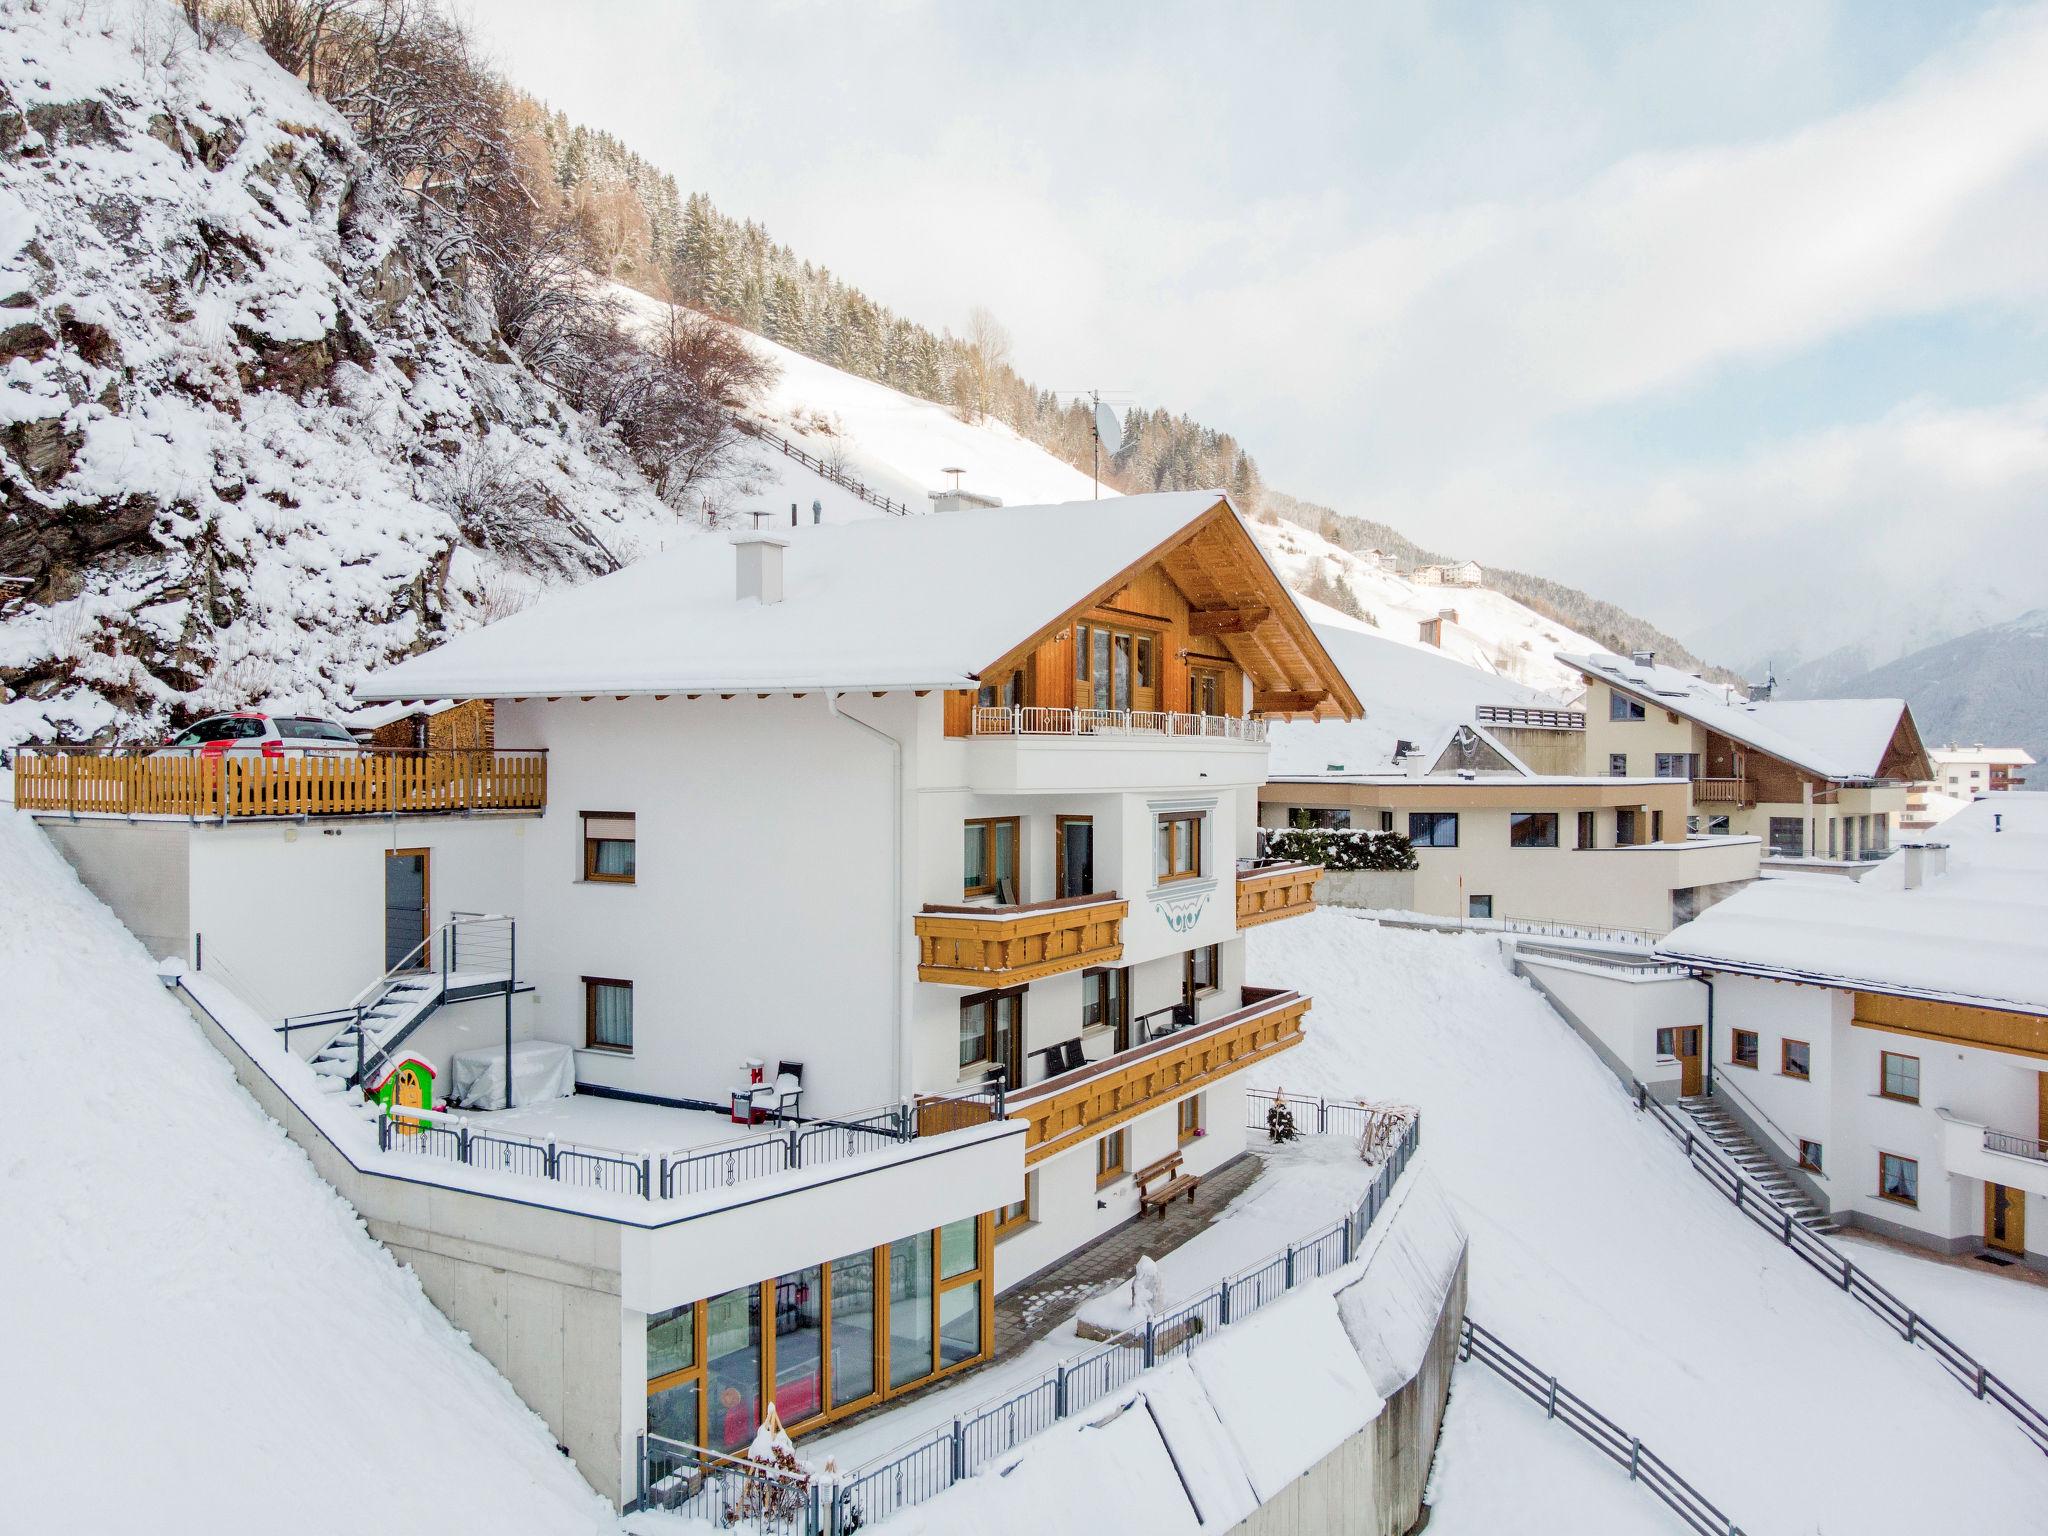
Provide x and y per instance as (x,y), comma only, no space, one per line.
(732,1351)
(956,1249)
(910,1309)
(960,1323)
(671,1341)
(672,1413)
(853,1328)
(800,1345)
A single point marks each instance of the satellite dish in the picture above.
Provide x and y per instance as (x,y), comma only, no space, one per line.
(1108,430)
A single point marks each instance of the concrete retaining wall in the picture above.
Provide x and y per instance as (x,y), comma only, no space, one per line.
(1386,890)
(1372,1484)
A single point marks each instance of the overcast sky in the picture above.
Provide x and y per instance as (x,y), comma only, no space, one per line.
(1733,314)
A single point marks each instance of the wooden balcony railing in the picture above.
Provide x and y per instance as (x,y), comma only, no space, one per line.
(1064,1111)
(249,784)
(1007,946)
(1723,792)
(1275,891)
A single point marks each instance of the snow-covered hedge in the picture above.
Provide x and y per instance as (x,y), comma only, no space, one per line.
(1335,849)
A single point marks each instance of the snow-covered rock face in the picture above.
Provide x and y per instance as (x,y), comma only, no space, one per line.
(250,433)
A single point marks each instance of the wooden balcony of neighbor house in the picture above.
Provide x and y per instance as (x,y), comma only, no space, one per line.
(1266,893)
(1072,1107)
(1723,792)
(1007,946)
(87,781)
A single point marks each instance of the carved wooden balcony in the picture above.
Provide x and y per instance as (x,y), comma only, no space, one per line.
(1008,946)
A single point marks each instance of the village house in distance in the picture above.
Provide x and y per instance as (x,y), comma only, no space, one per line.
(863,906)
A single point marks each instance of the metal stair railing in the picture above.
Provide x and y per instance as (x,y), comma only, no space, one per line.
(1755,1202)
(1560,1402)
(818,466)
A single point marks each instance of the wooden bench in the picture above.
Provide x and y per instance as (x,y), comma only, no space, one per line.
(1176,1184)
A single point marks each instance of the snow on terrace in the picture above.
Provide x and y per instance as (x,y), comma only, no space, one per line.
(875,604)
(204,1337)
(1600,1255)
(1977,932)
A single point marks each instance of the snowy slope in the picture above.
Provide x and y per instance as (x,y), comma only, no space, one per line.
(201,1336)
(1492,632)
(1599,1254)
(253,439)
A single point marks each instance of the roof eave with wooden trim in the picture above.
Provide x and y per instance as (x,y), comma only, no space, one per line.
(1235,597)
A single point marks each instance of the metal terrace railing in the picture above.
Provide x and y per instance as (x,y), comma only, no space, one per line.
(145,782)
(1753,1201)
(674,1475)
(1564,1405)
(1536,719)
(1044,720)
(2016,1146)
(674,1174)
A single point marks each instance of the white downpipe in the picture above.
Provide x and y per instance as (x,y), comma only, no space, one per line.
(896,913)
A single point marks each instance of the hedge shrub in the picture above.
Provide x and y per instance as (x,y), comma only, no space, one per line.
(1334,849)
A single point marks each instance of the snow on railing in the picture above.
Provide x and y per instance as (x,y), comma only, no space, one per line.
(1046,720)
(929,1465)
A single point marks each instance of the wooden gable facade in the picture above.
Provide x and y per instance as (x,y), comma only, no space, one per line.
(1778,782)
(1179,631)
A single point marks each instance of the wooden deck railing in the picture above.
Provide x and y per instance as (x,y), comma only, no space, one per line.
(1723,792)
(1066,1110)
(1276,891)
(1007,946)
(90,783)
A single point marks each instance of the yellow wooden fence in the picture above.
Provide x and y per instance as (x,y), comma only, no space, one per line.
(245,784)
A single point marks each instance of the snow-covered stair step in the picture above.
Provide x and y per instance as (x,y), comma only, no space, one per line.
(326,1066)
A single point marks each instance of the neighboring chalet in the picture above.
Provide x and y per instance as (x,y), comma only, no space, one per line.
(862,907)
(1822,781)
(1887,1041)
(1456,573)
(1485,778)
(1966,771)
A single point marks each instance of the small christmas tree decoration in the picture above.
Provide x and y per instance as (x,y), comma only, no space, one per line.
(1280,1119)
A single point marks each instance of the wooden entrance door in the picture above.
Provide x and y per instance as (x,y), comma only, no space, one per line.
(1688,1054)
(2005,1218)
(406,906)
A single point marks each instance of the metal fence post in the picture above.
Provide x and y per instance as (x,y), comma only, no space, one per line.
(959,1451)
(646,1179)
(1149,1345)
(1059,1391)
(384,1131)
(1349,1250)
(1290,1267)
(1635,1457)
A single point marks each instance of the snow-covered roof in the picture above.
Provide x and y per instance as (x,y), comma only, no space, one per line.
(2012,756)
(913,602)
(1977,932)
(1835,738)
(1410,694)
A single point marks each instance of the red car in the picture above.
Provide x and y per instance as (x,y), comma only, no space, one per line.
(248,731)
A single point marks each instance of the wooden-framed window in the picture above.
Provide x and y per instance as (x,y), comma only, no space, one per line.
(1115,668)
(1205,690)
(609,849)
(1106,1002)
(1076,873)
(1898,1077)
(1433,829)
(1587,837)
(1187,1118)
(1109,1157)
(1532,829)
(607,1014)
(989,849)
(1795,1058)
(1898,1178)
(1201,972)
(1177,846)
(1007,691)
(824,1341)
(992,1034)
(1742,1048)
(1017,1213)
(1809,1155)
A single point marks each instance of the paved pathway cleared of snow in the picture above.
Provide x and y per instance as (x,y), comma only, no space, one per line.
(200,1334)
(1598,1253)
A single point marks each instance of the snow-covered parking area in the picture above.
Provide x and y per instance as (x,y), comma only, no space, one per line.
(1600,1255)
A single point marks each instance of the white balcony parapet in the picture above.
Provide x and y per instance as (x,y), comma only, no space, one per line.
(1976,1151)
(1045,720)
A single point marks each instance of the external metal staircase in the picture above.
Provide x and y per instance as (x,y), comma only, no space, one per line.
(470,956)
(1728,1134)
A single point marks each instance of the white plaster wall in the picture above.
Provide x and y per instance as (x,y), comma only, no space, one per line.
(295,911)
(1623,1010)
(760,922)
(1786,1108)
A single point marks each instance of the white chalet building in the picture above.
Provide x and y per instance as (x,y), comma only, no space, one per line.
(941,824)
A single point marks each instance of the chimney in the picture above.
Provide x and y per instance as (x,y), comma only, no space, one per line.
(1643,658)
(758,566)
(1924,862)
